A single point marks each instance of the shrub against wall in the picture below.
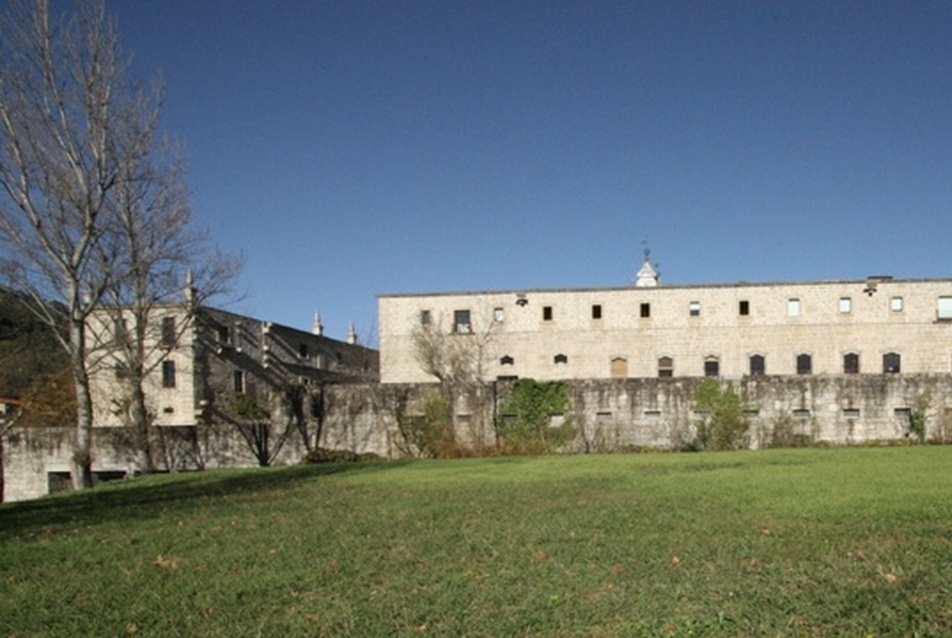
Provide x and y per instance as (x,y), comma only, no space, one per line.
(536,418)
(726,425)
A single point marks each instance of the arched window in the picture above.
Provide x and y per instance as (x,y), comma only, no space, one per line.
(892,363)
(758,365)
(665,367)
(804,364)
(851,363)
(619,368)
(712,366)
(506,360)
(560,358)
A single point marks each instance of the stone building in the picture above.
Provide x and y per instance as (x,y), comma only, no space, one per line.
(202,369)
(872,326)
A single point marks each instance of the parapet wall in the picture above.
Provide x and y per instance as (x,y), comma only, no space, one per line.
(611,415)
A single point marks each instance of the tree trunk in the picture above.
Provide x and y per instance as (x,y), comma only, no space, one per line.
(82,471)
(140,425)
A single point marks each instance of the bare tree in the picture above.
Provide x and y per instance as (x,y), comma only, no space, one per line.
(152,250)
(71,126)
(457,359)
(454,358)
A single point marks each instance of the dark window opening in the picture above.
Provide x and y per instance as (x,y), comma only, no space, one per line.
(758,365)
(425,318)
(744,308)
(597,311)
(851,363)
(804,364)
(168,331)
(239,382)
(546,313)
(712,367)
(168,374)
(560,358)
(665,367)
(694,308)
(645,310)
(302,350)
(892,363)
(506,360)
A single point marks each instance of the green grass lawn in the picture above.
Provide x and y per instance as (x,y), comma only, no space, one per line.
(781,542)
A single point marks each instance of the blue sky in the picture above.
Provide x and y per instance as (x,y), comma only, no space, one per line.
(353,148)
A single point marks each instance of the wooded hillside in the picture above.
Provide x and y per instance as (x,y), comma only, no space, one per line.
(27,349)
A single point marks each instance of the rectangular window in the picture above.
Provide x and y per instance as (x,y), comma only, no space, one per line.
(895,304)
(302,350)
(646,310)
(499,315)
(758,365)
(224,335)
(425,318)
(239,379)
(712,367)
(851,363)
(944,308)
(846,305)
(461,324)
(793,307)
(597,311)
(546,313)
(744,308)
(694,308)
(168,331)
(168,374)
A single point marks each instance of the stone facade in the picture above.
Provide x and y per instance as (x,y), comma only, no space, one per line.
(207,362)
(198,374)
(730,331)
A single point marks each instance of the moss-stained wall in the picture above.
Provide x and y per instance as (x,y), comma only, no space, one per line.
(610,415)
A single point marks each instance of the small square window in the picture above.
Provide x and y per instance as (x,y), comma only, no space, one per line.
(694,308)
(597,311)
(426,318)
(846,305)
(895,304)
(944,308)
(546,313)
(744,308)
(645,310)
(793,307)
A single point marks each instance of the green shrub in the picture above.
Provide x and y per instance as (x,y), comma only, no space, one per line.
(726,425)
(527,423)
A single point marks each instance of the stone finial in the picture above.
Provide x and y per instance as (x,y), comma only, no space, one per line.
(351,334)
(190,290)
(318,327)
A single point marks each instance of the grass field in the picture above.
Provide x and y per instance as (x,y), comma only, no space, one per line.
(781,542)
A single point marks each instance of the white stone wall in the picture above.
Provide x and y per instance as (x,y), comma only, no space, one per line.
(612,415)
(870,329)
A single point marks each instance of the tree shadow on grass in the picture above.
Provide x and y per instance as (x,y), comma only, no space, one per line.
(153,496)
